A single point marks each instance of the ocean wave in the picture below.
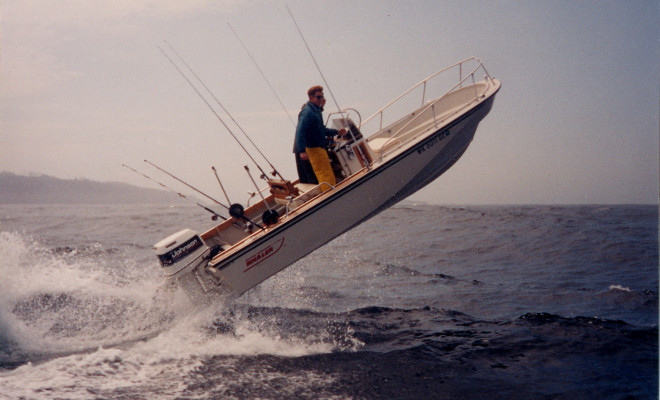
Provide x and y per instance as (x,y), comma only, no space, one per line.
(370,352)
(525,302)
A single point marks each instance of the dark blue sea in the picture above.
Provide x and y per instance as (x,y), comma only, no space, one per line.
(421,302)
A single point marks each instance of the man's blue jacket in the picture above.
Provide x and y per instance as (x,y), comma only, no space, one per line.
(310,131)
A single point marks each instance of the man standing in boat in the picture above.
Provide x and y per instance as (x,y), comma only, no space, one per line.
(304,167)
(312,140)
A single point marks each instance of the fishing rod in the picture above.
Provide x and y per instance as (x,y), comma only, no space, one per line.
(187,184)
(326,82)
(269,216)
(215,215)
(221,187)
(263,75)
(201,96)
(235,210)
(275,172)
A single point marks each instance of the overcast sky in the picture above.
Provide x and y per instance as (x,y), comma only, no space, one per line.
(84,88)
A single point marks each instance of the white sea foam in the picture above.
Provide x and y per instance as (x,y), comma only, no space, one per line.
(158,366)
(117,336)
(55,303)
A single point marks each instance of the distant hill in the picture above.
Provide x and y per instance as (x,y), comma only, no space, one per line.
(42,189)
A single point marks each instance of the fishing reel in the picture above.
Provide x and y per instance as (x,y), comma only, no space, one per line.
(269,217)
(236,210)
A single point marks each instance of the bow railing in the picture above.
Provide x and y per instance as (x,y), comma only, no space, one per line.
(466,70)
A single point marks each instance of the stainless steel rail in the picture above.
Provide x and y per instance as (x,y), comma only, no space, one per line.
(472,64)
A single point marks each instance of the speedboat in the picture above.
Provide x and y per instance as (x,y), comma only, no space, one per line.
(374,171)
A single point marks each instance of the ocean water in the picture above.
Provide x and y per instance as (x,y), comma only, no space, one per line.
(421,302)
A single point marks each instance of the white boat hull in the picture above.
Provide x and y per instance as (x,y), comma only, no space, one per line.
(332,215)
(376,173)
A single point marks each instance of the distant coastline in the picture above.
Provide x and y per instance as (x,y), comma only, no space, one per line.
(44,189)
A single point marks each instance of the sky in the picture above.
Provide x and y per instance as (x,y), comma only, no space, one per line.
(84,89)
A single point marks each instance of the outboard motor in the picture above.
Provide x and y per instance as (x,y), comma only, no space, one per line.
(180,252)
(184,257)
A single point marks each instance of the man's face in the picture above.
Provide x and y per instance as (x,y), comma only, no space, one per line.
(318,99)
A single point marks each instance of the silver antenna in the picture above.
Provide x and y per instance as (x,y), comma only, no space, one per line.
(314,59)
(262,74)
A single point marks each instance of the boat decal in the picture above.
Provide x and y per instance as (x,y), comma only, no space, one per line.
(435,139)
(263,254)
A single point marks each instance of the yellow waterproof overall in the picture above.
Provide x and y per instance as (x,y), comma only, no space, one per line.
(320,161)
